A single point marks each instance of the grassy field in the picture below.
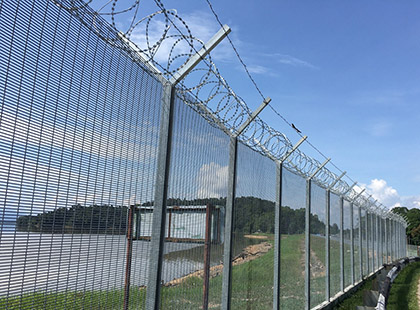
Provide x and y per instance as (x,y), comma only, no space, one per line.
(403,294)
(356,299)
(252,286)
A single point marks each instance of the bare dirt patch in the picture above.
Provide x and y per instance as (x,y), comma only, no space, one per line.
(249,253)
(317,268)
(256,237)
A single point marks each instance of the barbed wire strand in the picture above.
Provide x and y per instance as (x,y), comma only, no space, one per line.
(258,89)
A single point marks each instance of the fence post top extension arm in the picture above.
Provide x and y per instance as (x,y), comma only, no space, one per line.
(349,189)
(319,169)
(286,156)
(336,181)
(252,116)
(201,54)
(371,203)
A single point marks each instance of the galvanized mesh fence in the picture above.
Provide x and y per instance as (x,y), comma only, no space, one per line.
(253,230)
(122,189)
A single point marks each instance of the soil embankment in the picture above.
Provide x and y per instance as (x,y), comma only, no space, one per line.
(249,253)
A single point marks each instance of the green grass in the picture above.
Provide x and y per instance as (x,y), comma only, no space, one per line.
(356,299)
(252,287)
(292,276)
(318,279)
(403,294)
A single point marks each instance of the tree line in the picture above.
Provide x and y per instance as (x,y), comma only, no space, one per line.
(251,215)
(413,228)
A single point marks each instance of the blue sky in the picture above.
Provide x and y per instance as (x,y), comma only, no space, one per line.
(346,73)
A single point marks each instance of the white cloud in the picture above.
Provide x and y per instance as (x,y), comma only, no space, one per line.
(212,181)
(411,201)
(257,69)
(385,194)
(380,128)
(202,26)
(388,196)
(291,61)
(89,140)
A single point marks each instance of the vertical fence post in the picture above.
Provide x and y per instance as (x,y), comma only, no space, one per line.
(230,200)
(327,236)
(352,242)
(327,246)
(277,236)
(377,240)
(342,243)
(399,239)
(381,220)
(308,244)
(390,259)
(387,239)
(392,240)
(163,162)
(308,235)
(374,237)
(380,240)
(230,205)
(277,225)
(372,234)
(360,243)
(161,192)
(367,243)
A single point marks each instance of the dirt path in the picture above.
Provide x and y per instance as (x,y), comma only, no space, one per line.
(317,268)
(249,253)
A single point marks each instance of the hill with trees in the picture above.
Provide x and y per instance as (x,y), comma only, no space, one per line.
(251,215)
(413,228)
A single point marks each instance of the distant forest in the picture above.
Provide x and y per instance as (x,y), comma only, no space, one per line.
(413,218)
(251,215)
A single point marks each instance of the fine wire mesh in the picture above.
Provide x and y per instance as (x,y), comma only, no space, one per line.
(356,229)
(198,179)
(317,242)
(363,218)
(292,254)
(79,129)
(335,252)
(347,242)
(76,138)
(253,257)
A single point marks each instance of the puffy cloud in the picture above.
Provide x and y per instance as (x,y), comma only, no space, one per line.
(385,194)
(389,197)
(202,26)
(212,181)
